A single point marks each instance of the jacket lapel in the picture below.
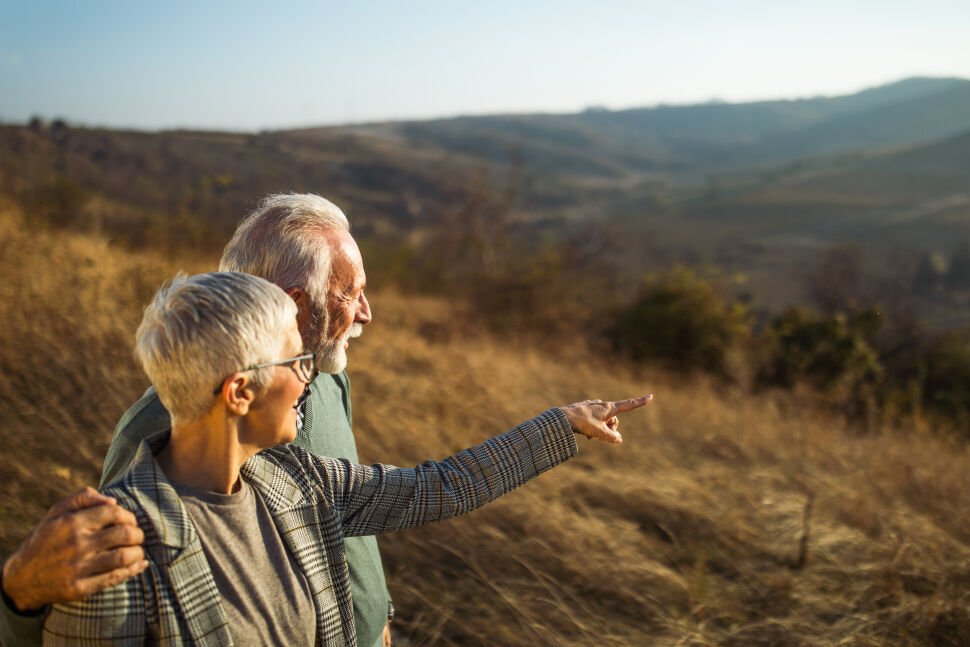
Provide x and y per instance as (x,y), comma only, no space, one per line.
(190,607)
(300,523)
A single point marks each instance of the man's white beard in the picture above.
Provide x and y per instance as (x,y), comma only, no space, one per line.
(331,355)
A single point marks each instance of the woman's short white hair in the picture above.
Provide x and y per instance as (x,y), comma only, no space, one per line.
(281,241)
(200,329)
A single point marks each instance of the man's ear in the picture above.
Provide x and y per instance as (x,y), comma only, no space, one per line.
(238,393)
(302,301)
(299,296)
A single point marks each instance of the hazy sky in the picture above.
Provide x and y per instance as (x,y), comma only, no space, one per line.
(250,65)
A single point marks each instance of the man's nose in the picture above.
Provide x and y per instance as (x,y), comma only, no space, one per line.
(363,315)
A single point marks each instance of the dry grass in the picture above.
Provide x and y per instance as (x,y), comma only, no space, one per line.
(69,306)
(723,519)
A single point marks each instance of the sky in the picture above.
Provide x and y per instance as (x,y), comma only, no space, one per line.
(246,65)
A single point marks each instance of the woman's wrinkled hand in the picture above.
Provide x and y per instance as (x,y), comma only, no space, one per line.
(598,419)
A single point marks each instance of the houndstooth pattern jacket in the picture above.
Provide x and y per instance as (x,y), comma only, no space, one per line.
(315,502)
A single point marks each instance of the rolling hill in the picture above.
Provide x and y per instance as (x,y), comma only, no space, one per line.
(761,188)
(688,141)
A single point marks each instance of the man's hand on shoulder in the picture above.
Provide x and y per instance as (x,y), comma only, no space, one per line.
(84,544)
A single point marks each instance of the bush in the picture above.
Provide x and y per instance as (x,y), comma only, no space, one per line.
(681,321)
(825,351)
(830,353)
(59,203)
(946,376)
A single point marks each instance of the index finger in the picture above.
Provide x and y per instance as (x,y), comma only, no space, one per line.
(622,406)
(104,516)
(86,497)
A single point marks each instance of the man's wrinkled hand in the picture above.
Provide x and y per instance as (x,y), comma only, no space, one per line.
(386,637)
(598,419)
(84,544)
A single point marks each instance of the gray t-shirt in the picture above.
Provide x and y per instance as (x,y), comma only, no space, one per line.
(266,597)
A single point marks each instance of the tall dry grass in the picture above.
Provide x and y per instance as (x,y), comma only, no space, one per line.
(69,305)
(723,519)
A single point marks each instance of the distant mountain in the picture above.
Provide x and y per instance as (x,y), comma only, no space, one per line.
(901,122)
(890,93)
(683,143)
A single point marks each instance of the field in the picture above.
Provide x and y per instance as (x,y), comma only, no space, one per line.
(723,519)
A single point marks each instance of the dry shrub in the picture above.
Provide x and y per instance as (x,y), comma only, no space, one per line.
(723,519)
(69,306)
(680,320)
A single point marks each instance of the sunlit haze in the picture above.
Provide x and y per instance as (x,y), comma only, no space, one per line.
(247,65)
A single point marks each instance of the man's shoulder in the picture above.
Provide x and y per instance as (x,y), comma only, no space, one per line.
(342,379)
(331,385)
(145,417)
(327,426)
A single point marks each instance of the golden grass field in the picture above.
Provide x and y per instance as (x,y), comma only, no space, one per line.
(723,519)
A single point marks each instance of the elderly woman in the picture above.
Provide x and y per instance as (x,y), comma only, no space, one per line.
(244,533)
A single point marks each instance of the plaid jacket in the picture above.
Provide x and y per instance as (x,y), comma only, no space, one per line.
(315,502)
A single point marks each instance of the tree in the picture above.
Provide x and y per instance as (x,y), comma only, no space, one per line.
(931,275)
(824,351)
(680,320)
(60,202)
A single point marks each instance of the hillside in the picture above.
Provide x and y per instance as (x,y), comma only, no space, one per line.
(903,122)
(138,184)
(682,143)
(761,189)
(723,519)
(890,205)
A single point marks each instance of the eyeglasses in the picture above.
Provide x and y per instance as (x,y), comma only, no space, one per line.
(303,365)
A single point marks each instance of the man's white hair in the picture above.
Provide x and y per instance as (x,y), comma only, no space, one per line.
(281,242)
(200,329)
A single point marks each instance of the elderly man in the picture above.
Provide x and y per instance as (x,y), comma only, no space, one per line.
(302,243)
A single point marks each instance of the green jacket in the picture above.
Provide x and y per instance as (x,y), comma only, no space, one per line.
(326,432)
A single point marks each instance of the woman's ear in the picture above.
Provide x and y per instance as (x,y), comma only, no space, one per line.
(238,393)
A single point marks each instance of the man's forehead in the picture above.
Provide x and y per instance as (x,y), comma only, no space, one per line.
(347,259)
(348,246)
